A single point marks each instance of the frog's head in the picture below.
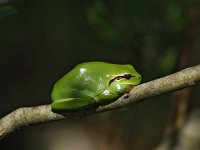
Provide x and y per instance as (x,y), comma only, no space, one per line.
(124,80)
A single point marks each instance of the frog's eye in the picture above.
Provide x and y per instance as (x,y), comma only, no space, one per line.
(128,76)
(125,76)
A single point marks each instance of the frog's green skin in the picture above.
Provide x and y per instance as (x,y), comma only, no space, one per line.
(93,82)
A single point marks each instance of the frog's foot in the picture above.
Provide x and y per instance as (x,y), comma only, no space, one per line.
(72,103)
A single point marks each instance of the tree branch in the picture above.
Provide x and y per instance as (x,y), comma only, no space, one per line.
(32,115)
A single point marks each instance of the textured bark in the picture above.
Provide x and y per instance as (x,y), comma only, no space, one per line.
(32,115)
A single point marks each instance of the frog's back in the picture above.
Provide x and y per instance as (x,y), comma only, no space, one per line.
(84,77)
(104,68)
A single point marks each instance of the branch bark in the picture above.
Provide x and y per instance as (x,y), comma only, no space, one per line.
(32,115)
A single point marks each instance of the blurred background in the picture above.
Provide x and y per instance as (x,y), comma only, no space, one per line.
(42,40)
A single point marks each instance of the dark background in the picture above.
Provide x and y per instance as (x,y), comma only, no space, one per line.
(42,40)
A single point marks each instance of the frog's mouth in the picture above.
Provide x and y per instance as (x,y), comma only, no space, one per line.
(125,76)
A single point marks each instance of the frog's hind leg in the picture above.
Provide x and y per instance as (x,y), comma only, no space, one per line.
(72,103)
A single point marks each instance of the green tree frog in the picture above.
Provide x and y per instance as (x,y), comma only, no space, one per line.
(93,83)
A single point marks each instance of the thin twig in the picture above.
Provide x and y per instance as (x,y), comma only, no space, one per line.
(32,115)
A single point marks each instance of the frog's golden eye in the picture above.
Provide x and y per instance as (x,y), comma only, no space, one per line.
(125,76)
(128,76)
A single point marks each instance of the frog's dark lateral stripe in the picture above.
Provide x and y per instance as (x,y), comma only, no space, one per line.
(126,76)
